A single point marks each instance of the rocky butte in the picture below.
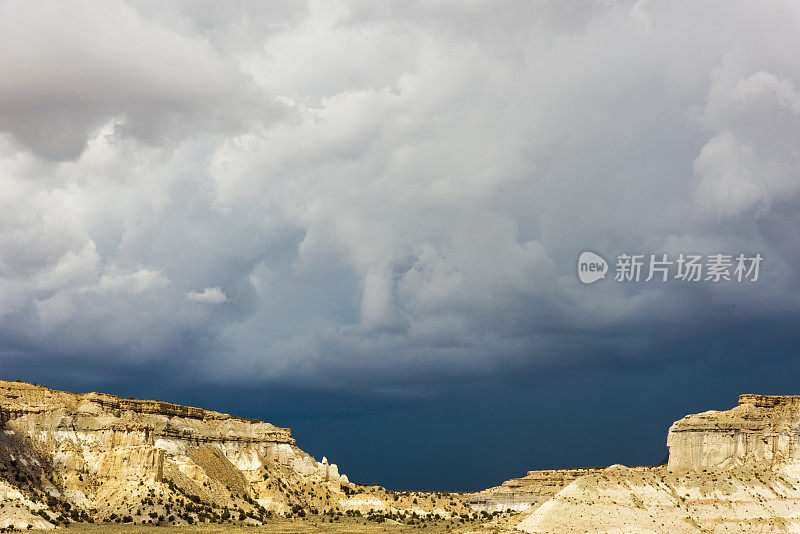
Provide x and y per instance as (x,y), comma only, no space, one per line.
(68,457)
(762,431)
(728,471)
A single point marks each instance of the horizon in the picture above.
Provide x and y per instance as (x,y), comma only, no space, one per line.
(313,429)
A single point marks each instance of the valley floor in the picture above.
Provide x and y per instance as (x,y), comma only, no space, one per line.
(283,526)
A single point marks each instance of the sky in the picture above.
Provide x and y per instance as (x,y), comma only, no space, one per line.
(362,219)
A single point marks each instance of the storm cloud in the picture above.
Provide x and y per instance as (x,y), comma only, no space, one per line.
(377,192)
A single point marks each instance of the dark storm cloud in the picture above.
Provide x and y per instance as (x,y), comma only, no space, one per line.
(380,192)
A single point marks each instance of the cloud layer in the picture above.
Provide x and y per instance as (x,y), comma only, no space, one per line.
(387,191)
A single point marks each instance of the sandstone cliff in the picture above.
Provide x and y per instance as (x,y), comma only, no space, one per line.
(96,457)
(762,431)
(728,471)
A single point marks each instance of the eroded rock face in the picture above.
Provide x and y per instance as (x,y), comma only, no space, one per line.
(68,456)
(520,494)
(100,456)
(762,431)
(668,501)
(728,471)
(94,438)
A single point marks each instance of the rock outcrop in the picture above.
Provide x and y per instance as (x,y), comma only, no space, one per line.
(728,471)
(660,500)
(96,457)
(762,431)
(520,494)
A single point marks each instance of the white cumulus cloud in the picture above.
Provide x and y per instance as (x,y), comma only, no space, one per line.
(209,295)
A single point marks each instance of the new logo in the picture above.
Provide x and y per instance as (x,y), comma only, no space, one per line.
(591,267)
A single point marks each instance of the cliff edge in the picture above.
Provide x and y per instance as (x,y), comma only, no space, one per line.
(761,431)
(728,471)
(68,457)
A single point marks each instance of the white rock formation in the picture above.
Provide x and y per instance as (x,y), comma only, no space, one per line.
(762,431)
(728,471)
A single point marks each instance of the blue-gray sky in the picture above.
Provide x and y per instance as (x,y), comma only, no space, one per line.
(361,219)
